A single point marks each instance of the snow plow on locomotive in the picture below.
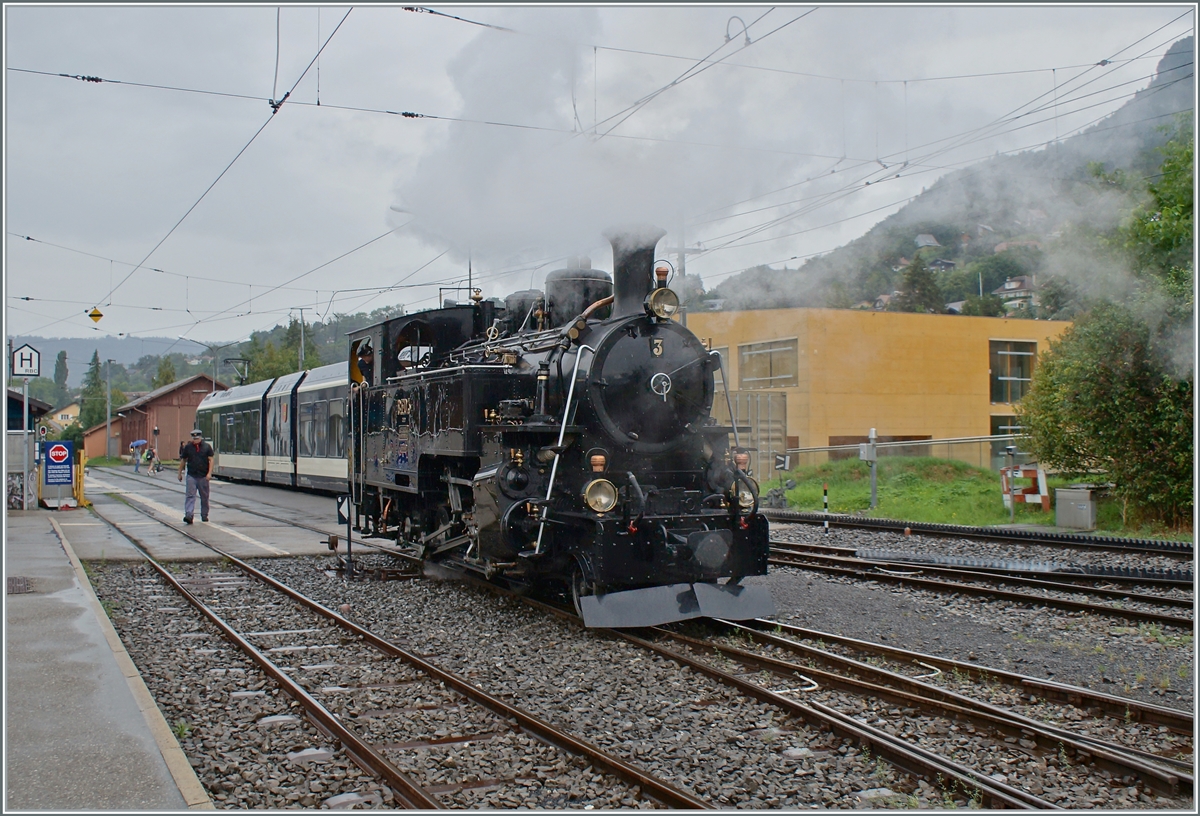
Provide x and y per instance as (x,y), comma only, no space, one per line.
(561,436)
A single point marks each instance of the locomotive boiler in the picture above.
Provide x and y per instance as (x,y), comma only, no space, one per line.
(561,437)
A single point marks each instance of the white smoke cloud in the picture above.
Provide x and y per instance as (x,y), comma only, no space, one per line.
(504,193)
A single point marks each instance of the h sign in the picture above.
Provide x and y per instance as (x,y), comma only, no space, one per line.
(26,362)
(783,462)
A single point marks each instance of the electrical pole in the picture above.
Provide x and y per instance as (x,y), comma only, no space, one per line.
(301,309)
(108,411)
(682,251)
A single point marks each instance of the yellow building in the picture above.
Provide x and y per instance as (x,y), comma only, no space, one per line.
(827,376)
(64,416)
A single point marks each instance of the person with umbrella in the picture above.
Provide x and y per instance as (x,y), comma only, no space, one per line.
(136,454)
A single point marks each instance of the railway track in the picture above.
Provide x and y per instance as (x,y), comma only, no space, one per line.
(1081,541)
(279,641)
(855,714)
(766,646)
(989,584)
(792,718)
(1018,738)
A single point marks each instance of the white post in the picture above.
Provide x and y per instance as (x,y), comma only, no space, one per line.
(25,446)
(874,462)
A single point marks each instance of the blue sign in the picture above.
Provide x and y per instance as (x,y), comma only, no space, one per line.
(59,462)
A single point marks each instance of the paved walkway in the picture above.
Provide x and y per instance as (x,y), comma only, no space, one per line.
(82,731)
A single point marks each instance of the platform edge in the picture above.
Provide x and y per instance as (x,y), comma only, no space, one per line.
(177,762)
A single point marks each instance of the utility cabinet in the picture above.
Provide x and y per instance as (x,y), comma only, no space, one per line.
(1075,508)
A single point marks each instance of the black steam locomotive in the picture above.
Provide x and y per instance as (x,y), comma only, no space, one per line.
(562,436)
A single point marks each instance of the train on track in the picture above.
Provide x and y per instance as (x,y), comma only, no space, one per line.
(558,437)
(288,431)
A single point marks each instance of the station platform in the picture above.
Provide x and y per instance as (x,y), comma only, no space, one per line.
(82,731)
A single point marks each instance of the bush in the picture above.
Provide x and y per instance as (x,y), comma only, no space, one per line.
(1103,399)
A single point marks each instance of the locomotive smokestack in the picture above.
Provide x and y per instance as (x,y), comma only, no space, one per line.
(633,257)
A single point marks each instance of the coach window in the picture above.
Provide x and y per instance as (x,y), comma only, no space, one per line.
(306,424)
(243,431)
(768,365)
(336,440)
(1011,369)
(235,431)
(256,424)
(320,416)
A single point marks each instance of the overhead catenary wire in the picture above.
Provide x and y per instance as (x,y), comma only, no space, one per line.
(921,160)
(695,71)
(517,125)
(692,71)
(709,250)
(275,106)
(615,136)
(1101,64)
(771,69)
(502,273)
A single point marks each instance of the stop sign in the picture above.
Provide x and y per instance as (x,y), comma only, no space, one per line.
(58,454)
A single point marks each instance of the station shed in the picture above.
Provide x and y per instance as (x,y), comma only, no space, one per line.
(171,409)
(16,410)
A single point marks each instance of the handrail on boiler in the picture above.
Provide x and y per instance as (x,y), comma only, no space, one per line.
(562,432)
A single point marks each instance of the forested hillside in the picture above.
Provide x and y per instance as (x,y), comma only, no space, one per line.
(1030,206)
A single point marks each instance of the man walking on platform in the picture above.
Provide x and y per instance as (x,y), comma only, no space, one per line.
(196,458)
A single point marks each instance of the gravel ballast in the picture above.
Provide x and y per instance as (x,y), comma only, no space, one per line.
(696,734)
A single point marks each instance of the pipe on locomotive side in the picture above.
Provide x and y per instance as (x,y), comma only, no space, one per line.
(633,256)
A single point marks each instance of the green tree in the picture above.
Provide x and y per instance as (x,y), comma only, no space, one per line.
(1112,393)
(275,353)
(73,432)
(40,388)
(918,290)
(62,393)
(1059,299)
(1158,238)
(986,306)
(165,374)
(92,405)
(1103,398)
(268,360)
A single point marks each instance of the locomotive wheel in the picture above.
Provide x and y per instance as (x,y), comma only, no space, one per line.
(580,588)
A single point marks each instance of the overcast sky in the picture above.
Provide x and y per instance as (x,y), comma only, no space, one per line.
(534,140)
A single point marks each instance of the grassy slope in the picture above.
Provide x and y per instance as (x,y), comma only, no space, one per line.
(938,491)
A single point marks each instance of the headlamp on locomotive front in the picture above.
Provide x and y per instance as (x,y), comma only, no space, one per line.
(746,493)
(662,303)
(600,495)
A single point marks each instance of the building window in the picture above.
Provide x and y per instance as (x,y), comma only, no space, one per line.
(1011,369)
(1006,426)
(767,365)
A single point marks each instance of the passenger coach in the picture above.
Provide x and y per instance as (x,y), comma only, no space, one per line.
(287,431)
